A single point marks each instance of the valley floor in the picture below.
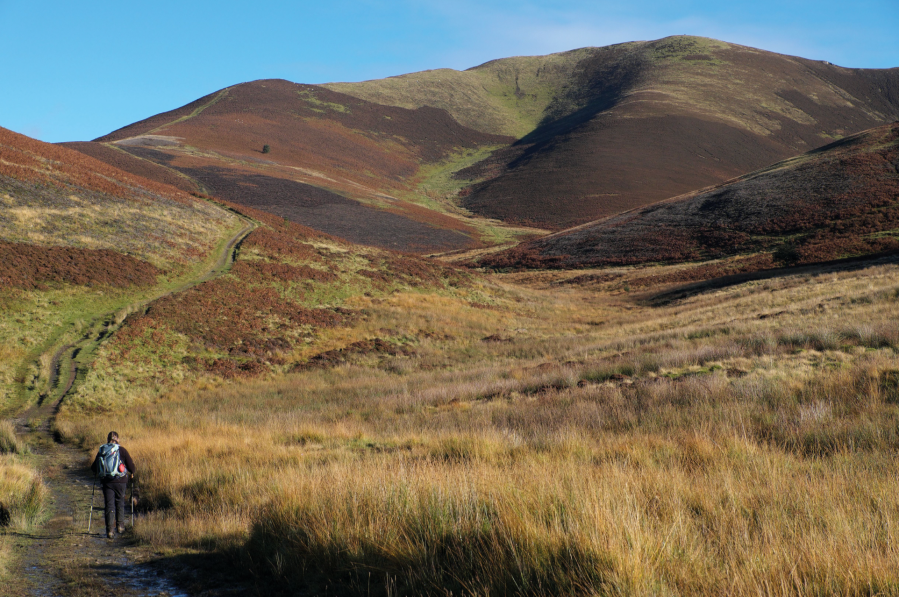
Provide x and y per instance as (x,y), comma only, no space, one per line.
(590,432)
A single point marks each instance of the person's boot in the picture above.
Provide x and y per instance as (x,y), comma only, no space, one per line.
(120,517)
(110,525)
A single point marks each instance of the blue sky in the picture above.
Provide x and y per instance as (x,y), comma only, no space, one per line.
(77,70)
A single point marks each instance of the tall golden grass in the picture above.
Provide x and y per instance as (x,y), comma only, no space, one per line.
(740,441)
(23,495)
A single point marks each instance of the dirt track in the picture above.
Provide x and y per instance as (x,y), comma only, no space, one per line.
(60,557)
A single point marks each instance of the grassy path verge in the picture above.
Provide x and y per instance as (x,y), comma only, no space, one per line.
(60,557)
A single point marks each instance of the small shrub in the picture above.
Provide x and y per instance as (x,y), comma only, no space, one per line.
(266,149)
(787,254)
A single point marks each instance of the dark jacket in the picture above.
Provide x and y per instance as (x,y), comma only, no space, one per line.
(126,458)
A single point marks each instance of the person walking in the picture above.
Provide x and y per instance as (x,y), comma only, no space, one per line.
(114,466)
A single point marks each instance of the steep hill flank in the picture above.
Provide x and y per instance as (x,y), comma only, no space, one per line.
(837,201)
(323,144)
(54,196)
(643,122)
(604,130)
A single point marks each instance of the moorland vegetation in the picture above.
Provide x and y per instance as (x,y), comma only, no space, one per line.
(566,438)
(316,416)
(82,245)
(559,140)
(838,201)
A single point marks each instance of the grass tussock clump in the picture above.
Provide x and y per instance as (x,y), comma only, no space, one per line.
(23,495)
(698,524)
(9,441)
(427,528)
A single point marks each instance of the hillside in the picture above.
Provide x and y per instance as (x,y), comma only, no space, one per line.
(78,239)
(54,196)
(508,96)
(313,416)
(621,126)
(837,201)
(545,142)
(336,163)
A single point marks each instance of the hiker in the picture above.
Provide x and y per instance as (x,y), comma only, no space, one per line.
(113,465)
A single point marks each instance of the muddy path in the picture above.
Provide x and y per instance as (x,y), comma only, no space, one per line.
(60,557)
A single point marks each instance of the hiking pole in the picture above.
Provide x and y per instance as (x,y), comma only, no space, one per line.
(132,501)
(91,516)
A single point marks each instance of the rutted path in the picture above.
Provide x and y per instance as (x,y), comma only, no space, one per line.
(60,557)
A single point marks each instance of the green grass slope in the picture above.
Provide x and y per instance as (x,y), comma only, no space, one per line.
(80,239)
(509,96)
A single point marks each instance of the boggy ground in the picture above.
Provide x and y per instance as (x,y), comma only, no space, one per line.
(564,434)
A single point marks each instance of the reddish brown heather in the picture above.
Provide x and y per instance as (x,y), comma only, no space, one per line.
(242,324)
(30,267)
(404,227)
(706,272)
(125,161)
(254,272)
(333,358)
(837,201)
(30,160)
(642,122)
(225,316)
(356,148)
(303,122)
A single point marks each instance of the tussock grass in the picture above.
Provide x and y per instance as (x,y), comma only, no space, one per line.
(23,495)
(738,442)
(9,441)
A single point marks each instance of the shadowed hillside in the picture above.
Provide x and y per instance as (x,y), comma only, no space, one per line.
(837,201)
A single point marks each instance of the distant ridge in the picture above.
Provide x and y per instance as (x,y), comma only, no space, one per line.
(621,126)
(558,140)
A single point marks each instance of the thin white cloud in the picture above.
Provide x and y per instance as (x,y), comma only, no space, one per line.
(494,32)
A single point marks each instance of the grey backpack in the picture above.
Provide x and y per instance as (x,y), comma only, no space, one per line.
(110,464)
